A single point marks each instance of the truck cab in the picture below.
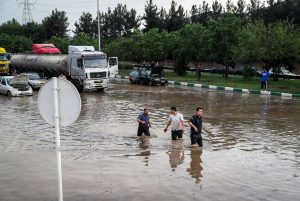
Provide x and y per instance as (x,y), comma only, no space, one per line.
(4,62)
(88,67)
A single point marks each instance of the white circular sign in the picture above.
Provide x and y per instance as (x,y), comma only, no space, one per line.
(69,102)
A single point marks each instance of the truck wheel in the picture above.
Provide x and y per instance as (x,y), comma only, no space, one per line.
(9,93)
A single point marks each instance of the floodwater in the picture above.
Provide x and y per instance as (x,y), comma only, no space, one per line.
(251,148)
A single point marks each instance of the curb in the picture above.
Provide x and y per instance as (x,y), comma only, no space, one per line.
(230,89)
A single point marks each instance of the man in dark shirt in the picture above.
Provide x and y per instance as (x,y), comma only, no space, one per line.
(196,127)
(144,123)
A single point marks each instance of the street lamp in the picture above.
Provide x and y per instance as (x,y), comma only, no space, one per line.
(98,14)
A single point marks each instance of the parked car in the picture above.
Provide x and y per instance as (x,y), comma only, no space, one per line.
(148,76)
(134,77)
(218,69)
(15,86)
(35,80)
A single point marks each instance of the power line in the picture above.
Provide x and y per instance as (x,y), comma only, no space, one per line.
(27,15)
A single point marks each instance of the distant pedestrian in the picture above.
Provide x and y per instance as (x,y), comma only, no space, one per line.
(264,79)
(14,73)
(198,71)
(144,123)
(196,127)
(177,124)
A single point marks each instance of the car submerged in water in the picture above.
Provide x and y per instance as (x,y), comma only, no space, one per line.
(148,76)
(35,80)
(15,85)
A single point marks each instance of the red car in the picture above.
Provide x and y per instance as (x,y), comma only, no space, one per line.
(45,49)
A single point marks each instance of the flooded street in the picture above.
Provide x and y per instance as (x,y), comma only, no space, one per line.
(251,148)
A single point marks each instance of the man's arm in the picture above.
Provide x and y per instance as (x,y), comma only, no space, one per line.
(192,125)
(167,126)
(139,120)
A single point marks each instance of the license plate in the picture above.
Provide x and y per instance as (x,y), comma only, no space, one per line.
(98,85)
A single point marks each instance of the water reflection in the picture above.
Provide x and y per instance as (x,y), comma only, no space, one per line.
(143,143)
(176,154)
(195,164)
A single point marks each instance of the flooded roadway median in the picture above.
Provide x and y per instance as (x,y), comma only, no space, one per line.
(251,148)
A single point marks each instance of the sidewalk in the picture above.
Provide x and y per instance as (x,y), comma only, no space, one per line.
(223,88)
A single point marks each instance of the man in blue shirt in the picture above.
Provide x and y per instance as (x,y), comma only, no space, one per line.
(144,123)
(264,79)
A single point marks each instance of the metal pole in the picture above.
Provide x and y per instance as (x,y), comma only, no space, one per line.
(98,14)
(57,136)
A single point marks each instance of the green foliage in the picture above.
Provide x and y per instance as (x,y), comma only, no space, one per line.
(180,64)
(34,31)
(56,24)
(11,27)
(175,19)
(14,43)
(151,16)
(118,23)
(60,43)
(275,45)
(85,39)
(86,25)
(123,65)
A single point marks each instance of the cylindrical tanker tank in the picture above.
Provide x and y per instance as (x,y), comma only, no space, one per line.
(48,64)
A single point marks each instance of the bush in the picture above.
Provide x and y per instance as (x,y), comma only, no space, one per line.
(249,72)
(180,64)
(123,65)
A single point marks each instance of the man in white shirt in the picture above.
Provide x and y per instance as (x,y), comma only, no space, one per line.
(177,124)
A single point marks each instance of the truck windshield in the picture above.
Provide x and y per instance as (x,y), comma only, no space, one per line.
(3,57)
(95,63)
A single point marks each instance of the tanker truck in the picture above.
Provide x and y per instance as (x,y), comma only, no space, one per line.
(86,68)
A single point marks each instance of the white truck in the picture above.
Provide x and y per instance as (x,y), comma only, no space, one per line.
(86,68)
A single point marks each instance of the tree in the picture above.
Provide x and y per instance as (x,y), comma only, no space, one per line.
(56,24)
(11,27)
(60,43)
(151,16)
(216,10)
(275,45)
(241,9)
(223,39)
(118,23)
(85,39)
(34,31)
(15,43)
(86,25)
(154,45)
(176,18)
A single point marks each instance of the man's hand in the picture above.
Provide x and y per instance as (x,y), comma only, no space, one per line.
(196,129)
(165,130)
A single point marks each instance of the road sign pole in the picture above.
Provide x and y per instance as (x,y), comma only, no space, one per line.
(57,136)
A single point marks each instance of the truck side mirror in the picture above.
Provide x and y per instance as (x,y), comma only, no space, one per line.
(80,63)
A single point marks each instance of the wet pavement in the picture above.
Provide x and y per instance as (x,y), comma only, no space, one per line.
(251,148)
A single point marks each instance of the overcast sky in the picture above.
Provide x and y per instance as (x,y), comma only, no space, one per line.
(74,8)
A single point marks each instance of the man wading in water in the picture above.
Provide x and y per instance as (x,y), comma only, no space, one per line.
(196,128)
(177,124)
(144,123)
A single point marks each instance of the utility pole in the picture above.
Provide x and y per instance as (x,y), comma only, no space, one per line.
(27,16)
(98,14)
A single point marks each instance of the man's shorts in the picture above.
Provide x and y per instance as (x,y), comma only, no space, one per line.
(176,134)
(196,139)
(143,130)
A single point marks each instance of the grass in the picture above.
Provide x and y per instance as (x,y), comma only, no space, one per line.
(285,86)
